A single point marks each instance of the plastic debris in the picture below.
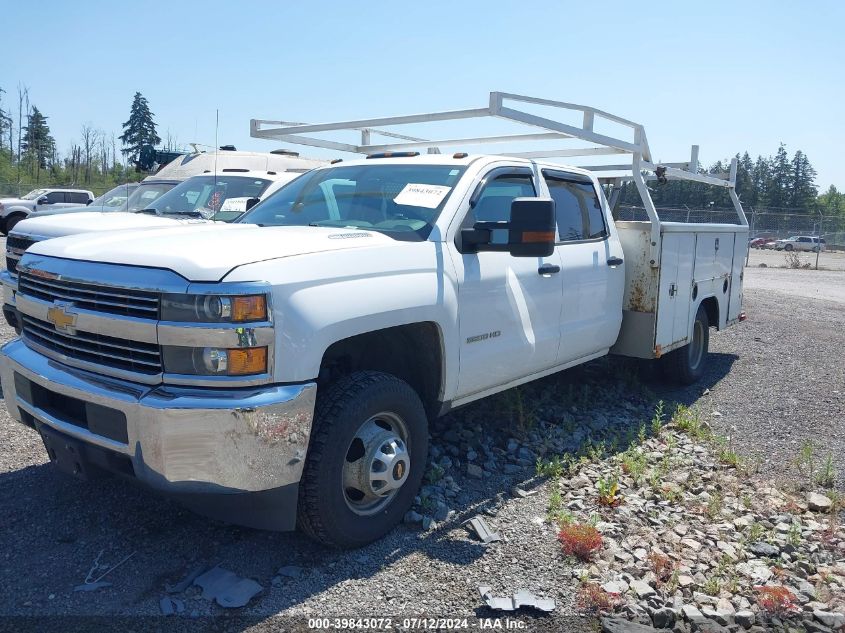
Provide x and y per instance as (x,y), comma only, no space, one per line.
(516,491)
(227,588)
(187,581)
(97,566)
(169,605)
(92,586)
(522,598)
(482,530)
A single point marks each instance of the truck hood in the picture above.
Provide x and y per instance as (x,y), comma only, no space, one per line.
(11,201)
(62,224)
(205,252)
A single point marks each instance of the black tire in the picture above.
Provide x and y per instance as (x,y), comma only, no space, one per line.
(11,222)
(3,230)
(686,365)
(788,247)
(326,513)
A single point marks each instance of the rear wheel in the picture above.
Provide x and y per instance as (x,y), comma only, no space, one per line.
(686,365)
(365,461)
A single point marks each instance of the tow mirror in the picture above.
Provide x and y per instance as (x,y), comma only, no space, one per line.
(251,202)
(43,200)
(532,227)
(531,230)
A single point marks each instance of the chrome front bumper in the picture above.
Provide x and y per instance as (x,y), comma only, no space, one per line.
(182,440)
(10,287)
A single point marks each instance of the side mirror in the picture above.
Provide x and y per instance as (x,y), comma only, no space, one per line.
(532,227)
(531,230)
(251,202)
(43,200)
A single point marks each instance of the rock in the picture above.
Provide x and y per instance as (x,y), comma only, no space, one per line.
(290,571)
(621,625)
(763,549)
(685,581)
(663,618)
(725,612)
(474,470)
(828,618)
(642,589)
(692,614)
(512,469)
(745,618)
(413,517)
(818,503)
(615,586)
(694,545)
(471,455)
(429,523)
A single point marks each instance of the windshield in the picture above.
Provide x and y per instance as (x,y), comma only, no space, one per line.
(115,198)
(146,193)
(34,194)
(203,196)
(402,201)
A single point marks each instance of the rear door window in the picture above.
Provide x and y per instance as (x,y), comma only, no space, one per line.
(78,197)
(577,206)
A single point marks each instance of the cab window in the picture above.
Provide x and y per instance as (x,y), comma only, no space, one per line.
(55,197)
(494,202)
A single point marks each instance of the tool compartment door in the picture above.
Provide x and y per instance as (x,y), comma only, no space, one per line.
(674,293)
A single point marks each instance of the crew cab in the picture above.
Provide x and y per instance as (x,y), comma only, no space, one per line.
(282,370)
(13,210)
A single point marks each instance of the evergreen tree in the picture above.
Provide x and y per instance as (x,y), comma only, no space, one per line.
(803,191)
(140,129)
(780,180)
(760,181)
(744,181)
(36,141)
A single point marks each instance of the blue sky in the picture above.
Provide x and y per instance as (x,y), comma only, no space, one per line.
(729,76)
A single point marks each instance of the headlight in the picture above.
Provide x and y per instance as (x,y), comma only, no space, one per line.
(213,308)
(213,361)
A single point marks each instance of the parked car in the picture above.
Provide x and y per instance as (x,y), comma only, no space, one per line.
(758,242)
(223,197)
(13,210)
(800,243)
(282,370)
(113,200)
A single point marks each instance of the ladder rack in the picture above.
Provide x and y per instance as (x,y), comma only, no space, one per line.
(511,107)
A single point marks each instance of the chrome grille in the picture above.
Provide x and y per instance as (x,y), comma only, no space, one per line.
(15,247)
(122,301)
(19,243)
(94,348)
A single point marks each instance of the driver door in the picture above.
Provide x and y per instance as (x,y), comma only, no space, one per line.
(508,306)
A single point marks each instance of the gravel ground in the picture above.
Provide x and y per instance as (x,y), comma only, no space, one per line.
(828,260)
(770,392)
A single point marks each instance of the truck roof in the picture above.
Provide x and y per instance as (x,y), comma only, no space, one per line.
(195,164)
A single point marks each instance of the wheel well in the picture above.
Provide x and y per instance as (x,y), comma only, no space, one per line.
(411,352)
(711,306)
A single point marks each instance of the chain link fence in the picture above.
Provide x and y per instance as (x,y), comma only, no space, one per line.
(18,189)
(763,222)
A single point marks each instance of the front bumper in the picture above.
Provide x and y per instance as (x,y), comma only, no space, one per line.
(195,443)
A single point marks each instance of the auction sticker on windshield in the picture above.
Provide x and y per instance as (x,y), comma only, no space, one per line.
(234,204)
(417,195)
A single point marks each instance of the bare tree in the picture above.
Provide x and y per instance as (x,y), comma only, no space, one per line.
(90,137)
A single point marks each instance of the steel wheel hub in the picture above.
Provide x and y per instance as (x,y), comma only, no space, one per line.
(377,464)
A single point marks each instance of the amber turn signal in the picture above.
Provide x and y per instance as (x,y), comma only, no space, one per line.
(249,308)
(247,360)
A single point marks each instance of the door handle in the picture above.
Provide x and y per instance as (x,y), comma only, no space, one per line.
(614,261)
(548,269)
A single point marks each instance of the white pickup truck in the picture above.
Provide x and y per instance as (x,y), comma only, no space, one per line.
(13,210)
(281,371)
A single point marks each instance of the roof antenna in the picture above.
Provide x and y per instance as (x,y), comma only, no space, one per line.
(216,147)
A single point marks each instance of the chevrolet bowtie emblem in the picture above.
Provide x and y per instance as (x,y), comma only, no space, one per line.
(59,316)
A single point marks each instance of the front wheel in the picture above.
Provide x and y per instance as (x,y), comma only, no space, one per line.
(365,461)
(788,247)
(686,365)
(11,222)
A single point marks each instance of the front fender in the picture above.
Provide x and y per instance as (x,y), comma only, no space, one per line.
(321,298)
(12,210)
